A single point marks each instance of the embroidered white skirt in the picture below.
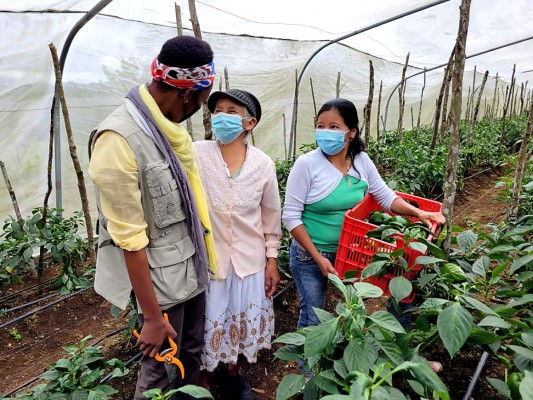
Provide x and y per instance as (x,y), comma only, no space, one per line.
(239,319)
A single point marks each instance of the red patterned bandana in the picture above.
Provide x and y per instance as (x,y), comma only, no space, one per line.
(196,78)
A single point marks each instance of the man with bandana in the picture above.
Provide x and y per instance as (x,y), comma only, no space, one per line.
(154,230)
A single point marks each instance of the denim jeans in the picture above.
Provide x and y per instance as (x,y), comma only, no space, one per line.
(310,281)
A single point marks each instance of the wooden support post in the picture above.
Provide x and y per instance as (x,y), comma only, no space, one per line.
(472,100)
(11,191)
(295,118)
(74,155)
(450,182)
(376,160)
(476,109)
(493,108)
(338,87)
(284,136)
(444,124)
(401,95)
(226,78)
(313,97)
(506,105)
(523,157)
(420,106)
(179,27)
(368,106)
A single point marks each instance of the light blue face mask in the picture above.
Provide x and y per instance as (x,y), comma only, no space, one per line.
(226,127)
(330,141)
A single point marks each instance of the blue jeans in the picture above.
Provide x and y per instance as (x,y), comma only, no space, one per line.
(310,281)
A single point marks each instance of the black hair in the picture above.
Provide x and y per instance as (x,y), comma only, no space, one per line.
(183,52)
(348,112)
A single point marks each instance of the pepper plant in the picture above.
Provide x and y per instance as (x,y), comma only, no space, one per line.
(353,354)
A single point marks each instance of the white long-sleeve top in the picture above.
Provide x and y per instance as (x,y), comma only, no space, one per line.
(245,212)
(313,178)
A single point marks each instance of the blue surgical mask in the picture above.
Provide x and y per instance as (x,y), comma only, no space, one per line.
(226,127)
(330,141)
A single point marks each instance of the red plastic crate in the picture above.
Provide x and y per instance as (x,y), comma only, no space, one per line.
(355,250)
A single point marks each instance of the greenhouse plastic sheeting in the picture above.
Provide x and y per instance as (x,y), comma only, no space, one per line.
(261,43)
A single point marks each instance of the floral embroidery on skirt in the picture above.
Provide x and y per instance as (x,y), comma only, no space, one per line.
(239,319)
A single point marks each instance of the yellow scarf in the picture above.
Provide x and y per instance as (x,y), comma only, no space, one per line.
(181,143)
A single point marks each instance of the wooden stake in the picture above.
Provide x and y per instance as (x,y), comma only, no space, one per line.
(443,124)
(179,27)
(284,136)
(420,106)
(377,122)
(468,102)
(436,116)
(226,78)
(208,132)
(73,154)
(506,105)
(476,109)
(379,110)
(295,119)
(368,106)
(338,89)
(523,157)
(493,108)
(11,191)
(401,95)
(471,114)
(313,97)
(450,183)
(42,249)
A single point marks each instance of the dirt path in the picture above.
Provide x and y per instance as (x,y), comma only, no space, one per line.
(44,334)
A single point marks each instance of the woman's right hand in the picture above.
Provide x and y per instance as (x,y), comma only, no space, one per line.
(325,266)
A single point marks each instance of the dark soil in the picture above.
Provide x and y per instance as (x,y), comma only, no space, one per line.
(44,334)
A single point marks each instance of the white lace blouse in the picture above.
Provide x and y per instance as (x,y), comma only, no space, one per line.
(245,212)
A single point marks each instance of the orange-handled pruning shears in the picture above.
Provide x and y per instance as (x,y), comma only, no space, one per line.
(168,356)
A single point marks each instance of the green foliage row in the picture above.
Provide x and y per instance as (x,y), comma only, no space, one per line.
(411,166)
(59,238)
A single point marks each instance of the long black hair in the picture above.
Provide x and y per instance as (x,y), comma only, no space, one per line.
(348,112)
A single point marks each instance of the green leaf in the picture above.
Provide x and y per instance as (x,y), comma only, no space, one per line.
(454,324)
(502,249)
(421,247)
(424,279)
(195,391)
(288,353)
(336,281)
(326,384)
(374,268)
(481,266)
(392,350)
(320,337)
(466,240)
(323,315)
(519,230)
(521,262)
(294,338)
(526,385)
(434,250)
(481,336)
(400,287)
(425,260)
(453,271)
(527,337)
(355,357)
(494,322)
(423,374)
(386,320)
(479,305)
(289,386)
(365,289)
(500,386)
(523,351)
(433,304)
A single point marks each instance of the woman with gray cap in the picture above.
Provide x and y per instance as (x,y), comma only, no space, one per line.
(244,207)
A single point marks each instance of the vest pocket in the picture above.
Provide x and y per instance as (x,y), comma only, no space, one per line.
(166,198)
(172,271)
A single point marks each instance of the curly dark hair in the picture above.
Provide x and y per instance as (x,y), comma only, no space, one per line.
(348,113)
(183,52)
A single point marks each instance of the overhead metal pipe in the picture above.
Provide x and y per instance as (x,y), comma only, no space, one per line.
(292,137)
(384,120)
(62,58)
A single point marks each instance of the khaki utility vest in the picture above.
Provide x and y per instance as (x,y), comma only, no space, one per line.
(170,250)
